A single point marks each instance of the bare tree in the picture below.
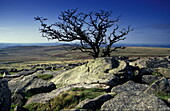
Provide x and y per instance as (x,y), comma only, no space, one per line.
(89,29)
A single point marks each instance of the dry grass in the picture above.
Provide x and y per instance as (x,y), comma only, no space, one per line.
(20,57)
(142,51)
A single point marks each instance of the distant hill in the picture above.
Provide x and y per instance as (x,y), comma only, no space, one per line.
(6,45)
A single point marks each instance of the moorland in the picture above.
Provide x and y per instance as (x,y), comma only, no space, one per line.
(53,78)
(23,55)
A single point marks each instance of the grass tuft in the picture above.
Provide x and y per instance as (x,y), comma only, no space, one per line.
(67,100)
(164,96)
(45,76)
(13,107)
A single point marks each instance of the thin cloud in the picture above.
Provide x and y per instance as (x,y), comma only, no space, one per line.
(5,29)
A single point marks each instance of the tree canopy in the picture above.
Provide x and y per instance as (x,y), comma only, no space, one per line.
(90,29)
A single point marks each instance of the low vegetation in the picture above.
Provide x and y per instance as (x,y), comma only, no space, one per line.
(45,76)
(13,107)
(156,74)
(66,100)
(164,96)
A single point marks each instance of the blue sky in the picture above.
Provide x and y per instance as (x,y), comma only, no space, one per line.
(150,18)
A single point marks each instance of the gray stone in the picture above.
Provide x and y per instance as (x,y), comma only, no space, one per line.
(152,62)
(40,86)
(134,101)
(164,71)
(5,96)
(95,103)
(129,86)
(161,86)
(149,79)
(30,84)
(19,74)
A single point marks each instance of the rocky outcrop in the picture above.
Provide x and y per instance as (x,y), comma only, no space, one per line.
(132,80)
(101,70)
(152,62)
(134,101)
(96,103)
(5,96)
(160,86)
(129,86)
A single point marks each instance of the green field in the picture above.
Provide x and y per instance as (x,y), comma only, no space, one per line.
(21,56)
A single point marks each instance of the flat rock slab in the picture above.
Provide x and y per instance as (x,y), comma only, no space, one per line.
(129,86)
(134,101)
(160,86)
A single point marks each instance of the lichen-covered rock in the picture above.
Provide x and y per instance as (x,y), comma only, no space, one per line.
(120,67)
(21,82)
(30,84)
(95,103)
(100,70)
(5,96)
(134,101)
(160,86)
(40,86)
(164,71)
(129,86)
(152,62)
(149,79)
